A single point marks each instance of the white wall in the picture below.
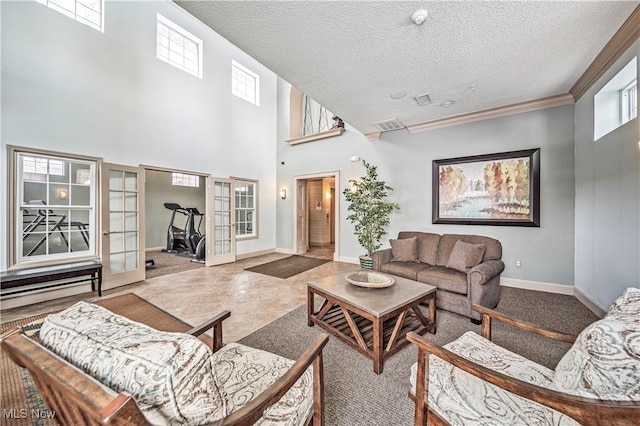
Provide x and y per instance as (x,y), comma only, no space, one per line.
(607,219)
(69,88)
(404,162)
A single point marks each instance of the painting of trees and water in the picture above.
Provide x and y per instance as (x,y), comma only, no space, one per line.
(494,188)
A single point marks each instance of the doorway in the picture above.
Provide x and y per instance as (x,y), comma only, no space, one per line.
(316,212)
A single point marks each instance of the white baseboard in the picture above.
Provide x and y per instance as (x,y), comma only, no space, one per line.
(284,251)
(349,260)
(154,248)
(593,306)
(537,286)
(254,254)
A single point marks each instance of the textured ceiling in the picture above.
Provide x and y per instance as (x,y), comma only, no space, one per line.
(352,55)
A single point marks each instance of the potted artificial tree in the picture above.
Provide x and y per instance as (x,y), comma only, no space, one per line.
(369,211)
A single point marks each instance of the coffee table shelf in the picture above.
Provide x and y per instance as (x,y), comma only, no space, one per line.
(374,322)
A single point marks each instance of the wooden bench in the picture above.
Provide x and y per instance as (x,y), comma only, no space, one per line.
(13,282)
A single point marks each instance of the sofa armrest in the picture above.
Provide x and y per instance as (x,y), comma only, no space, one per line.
(488,314)
(482,273)
(592,412)
(381,257)
(216,324)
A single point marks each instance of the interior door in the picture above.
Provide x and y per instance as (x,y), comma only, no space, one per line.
(221,227)
(122,225)
(302,230)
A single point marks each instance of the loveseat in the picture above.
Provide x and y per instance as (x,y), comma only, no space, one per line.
(472,381)
(465,268)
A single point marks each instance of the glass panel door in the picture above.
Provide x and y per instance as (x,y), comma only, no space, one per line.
(122,230)
(221,247)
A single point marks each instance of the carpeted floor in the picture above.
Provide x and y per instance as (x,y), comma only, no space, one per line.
(288,267)
(168,263)
(354,395)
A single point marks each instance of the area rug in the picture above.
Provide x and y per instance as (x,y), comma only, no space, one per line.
(288,267)
(168,263)
(355,395)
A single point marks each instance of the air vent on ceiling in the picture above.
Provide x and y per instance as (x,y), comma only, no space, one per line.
(388,125)
(423,100)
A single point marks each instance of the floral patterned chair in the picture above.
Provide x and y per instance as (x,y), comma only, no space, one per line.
(96,367)
(472,381)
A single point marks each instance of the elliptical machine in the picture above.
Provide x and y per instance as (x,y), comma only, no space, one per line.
(176,242)
(194,239)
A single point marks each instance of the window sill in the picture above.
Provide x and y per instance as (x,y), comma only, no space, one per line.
(317,136)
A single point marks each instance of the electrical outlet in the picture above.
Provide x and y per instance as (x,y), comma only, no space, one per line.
(518,264)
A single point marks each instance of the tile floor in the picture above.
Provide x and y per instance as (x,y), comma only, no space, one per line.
(194,296)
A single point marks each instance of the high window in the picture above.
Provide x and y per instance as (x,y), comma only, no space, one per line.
(245,83)
(617,102)
(178,47)
(246,208)
(88,12)
(183,179)
(54,208)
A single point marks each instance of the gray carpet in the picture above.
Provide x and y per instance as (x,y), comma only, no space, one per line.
(354,395)
(288,267)
(168,263)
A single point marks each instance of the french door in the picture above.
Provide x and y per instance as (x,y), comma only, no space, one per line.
(221,227)
(122,225)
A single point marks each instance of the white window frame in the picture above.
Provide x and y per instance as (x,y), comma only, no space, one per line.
(79,6)
(179,32)
(239,182)
(239,74)
(65,190)
(629,101)
(185,179)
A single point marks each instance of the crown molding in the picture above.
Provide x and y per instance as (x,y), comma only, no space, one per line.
(373,136)
(519,108)
(626,35)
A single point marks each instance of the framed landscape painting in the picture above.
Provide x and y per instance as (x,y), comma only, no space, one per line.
(491,189)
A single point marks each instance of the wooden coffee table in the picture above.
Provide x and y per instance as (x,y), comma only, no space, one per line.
(373,321)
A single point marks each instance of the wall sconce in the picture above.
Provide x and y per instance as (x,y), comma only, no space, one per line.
(327,196)
(353,186)
(354,159)
(283,194)
(62,194)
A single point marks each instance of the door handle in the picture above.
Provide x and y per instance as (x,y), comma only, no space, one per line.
(105,232)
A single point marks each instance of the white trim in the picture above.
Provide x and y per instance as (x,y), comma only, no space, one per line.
(148,249)
(284,251)
(593,306)
(354,260)
(537,286)
(255,253)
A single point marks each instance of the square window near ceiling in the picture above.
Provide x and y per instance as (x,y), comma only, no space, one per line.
(617,102)
(178,47)
(245,83)
(88,12)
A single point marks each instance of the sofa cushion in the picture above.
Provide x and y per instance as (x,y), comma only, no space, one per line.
(465,256)
(404,250)
(493,248)
(604,362)
(427,245)
(243,373)
(464,399)
(444,279)
(408,270)
(170,375)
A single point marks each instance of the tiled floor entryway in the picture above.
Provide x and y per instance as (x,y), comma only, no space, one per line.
(194,296)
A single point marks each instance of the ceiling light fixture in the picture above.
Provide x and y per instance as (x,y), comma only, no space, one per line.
(447,104)
(398,95)
(419,16)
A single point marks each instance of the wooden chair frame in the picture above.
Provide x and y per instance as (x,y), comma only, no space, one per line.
(78,399)
(589,412)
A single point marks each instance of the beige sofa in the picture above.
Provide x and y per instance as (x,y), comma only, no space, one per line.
(465,273)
